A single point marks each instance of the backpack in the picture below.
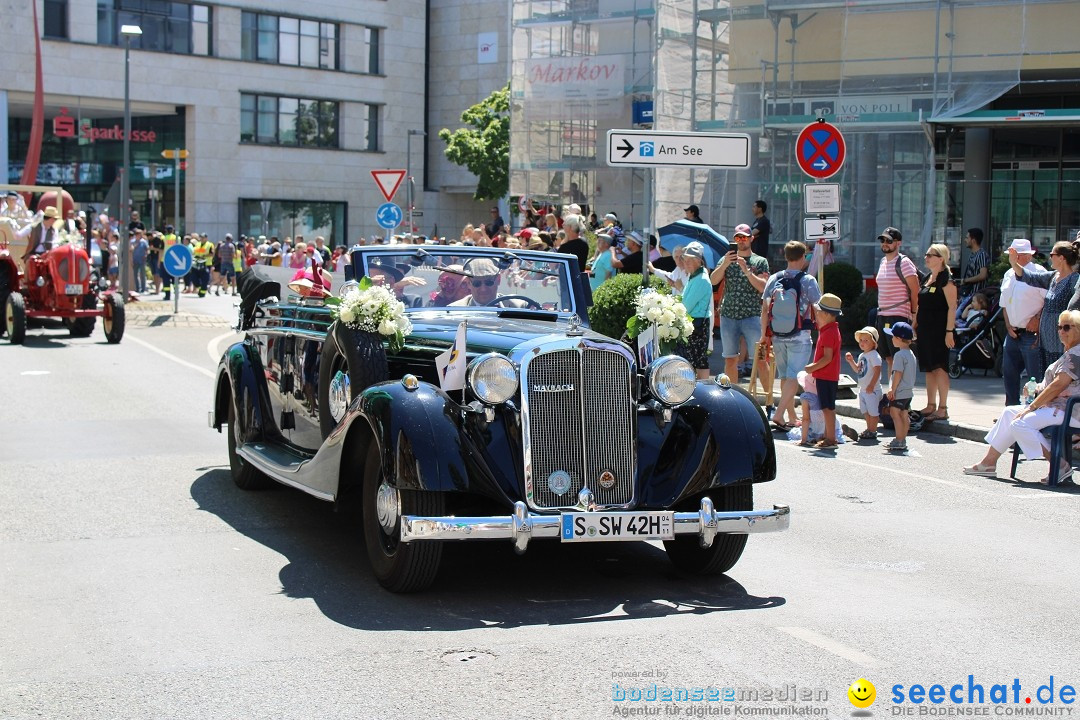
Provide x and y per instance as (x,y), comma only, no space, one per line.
(900,274)
(785,319)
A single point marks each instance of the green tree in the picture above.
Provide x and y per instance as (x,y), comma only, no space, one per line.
(484,146)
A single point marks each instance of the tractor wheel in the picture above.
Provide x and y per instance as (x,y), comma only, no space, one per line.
(15,318)
(84,326)
(113,322)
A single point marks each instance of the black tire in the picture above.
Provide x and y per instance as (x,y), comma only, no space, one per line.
(84,326)
(15,318)
(350,362)
(113,321)
(399,567)
(244,475)
(686,552)
(5,289)
(955,368)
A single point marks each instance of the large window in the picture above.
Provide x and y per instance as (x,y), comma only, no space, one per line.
(276,120)
(289,40)
(175,27)
(289,218)
(56,19)
(371,127)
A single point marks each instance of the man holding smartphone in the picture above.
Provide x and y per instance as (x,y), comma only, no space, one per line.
(743,275)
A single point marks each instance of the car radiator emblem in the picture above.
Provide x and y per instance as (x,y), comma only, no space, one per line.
(606,480)
(568,387)
(559,482)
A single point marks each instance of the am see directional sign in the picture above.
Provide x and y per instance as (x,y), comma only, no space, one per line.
(646,148)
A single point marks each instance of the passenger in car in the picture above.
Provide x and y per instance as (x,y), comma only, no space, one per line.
(384,272)
(453,286)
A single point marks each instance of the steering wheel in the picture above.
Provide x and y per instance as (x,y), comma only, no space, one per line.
(532,304)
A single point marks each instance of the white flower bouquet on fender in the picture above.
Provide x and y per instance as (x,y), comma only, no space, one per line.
(373,308)
(673,324)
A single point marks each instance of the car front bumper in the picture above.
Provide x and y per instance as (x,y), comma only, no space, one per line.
(522,526)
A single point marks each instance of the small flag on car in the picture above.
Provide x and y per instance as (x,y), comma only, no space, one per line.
(451,364)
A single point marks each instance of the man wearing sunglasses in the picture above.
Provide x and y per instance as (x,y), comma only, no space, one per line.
(898,290)
(483,280)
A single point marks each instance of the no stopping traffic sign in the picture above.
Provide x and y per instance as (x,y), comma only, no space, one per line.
(820,150)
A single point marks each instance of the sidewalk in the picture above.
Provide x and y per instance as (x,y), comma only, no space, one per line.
(210,311)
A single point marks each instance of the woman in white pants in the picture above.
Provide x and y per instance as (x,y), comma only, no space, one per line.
(1023,425)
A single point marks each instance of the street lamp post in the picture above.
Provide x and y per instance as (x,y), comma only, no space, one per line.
(128,31)
(408,171)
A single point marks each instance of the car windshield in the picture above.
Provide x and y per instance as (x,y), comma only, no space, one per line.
(440,278)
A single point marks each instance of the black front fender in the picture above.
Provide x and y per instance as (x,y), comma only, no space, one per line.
(424,440)
(719,437)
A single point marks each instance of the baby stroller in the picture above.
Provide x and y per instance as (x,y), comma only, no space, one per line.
(978,347)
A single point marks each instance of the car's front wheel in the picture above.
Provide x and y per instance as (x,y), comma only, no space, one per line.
(399,567)
(686,552)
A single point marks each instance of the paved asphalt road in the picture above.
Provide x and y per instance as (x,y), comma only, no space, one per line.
(136,581)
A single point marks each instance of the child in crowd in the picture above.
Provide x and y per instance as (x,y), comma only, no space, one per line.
(826,365)
(902,383)
(812,427)
(868,369)
(974,314)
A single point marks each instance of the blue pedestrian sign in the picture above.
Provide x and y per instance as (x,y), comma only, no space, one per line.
(388,216)
(178,260)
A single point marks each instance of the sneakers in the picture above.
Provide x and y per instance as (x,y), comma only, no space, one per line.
(849,432)
(896,445)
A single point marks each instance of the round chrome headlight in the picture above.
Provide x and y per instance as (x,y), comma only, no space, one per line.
(493,378)
(671,379)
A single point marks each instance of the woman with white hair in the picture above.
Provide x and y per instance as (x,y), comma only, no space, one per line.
(1023,424)
(697,299)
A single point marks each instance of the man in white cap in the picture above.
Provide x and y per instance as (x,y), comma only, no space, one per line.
(1021,306)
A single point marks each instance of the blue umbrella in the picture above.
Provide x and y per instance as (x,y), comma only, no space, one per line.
(683,232)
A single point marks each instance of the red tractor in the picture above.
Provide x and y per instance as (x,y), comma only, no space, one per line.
(57,284)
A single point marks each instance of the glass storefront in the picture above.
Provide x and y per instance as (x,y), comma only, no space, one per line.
(289,218)
(85,156)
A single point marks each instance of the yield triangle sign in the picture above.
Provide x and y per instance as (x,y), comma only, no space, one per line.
(388,181)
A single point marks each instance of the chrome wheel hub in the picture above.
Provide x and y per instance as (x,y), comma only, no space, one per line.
(387,507)
(340,395)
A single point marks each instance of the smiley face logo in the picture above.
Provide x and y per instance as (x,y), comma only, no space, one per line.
(862,693)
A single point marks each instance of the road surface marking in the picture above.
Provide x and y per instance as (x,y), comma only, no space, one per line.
(170,356)
(36,372)
(836,648)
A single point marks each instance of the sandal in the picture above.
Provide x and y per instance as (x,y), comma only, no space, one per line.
(780,427)
(989,471)
(867,435)
(805,443)
(1064,475)
(942,413)
(928,410)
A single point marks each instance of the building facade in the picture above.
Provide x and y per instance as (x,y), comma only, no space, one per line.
(955,114)
(284,109)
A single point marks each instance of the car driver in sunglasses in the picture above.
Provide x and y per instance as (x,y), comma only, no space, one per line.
(483,284)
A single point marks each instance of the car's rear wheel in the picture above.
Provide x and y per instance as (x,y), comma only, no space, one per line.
(15,318)
(399,567)
(686,552)
(244,475)
(113,321)
(84,326)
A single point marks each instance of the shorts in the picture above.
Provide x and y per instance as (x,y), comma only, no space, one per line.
(870,403)
(731,330)
(884,345)
(228,271)
(900,403)
(791,356)
(114,271)
(826,392)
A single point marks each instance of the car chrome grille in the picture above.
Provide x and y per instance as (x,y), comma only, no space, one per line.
(579,420)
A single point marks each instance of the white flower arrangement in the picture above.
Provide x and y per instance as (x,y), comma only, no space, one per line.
(373,308)
(669,315)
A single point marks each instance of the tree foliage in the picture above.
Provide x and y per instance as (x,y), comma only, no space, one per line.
(484,146)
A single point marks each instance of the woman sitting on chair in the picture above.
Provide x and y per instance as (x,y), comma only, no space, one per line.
(1023,424)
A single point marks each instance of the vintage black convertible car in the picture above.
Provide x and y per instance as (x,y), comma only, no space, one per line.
(558,433)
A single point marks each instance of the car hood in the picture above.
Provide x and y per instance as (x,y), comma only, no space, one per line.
(486,331)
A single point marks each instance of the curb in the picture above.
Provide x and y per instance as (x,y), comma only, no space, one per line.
(939,427)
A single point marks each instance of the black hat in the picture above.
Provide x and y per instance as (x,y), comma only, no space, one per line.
(693,209)
(169,228)
(386,266)
(891,234)
(11,193)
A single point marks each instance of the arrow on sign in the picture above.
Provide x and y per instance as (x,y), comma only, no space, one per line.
(626,147)
(820,164)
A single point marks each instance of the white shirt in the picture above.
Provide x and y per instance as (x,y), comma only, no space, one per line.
(1020,300)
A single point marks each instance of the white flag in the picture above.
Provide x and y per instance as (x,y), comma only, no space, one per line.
(451,364)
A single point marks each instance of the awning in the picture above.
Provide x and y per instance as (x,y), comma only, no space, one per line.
(1060,117)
